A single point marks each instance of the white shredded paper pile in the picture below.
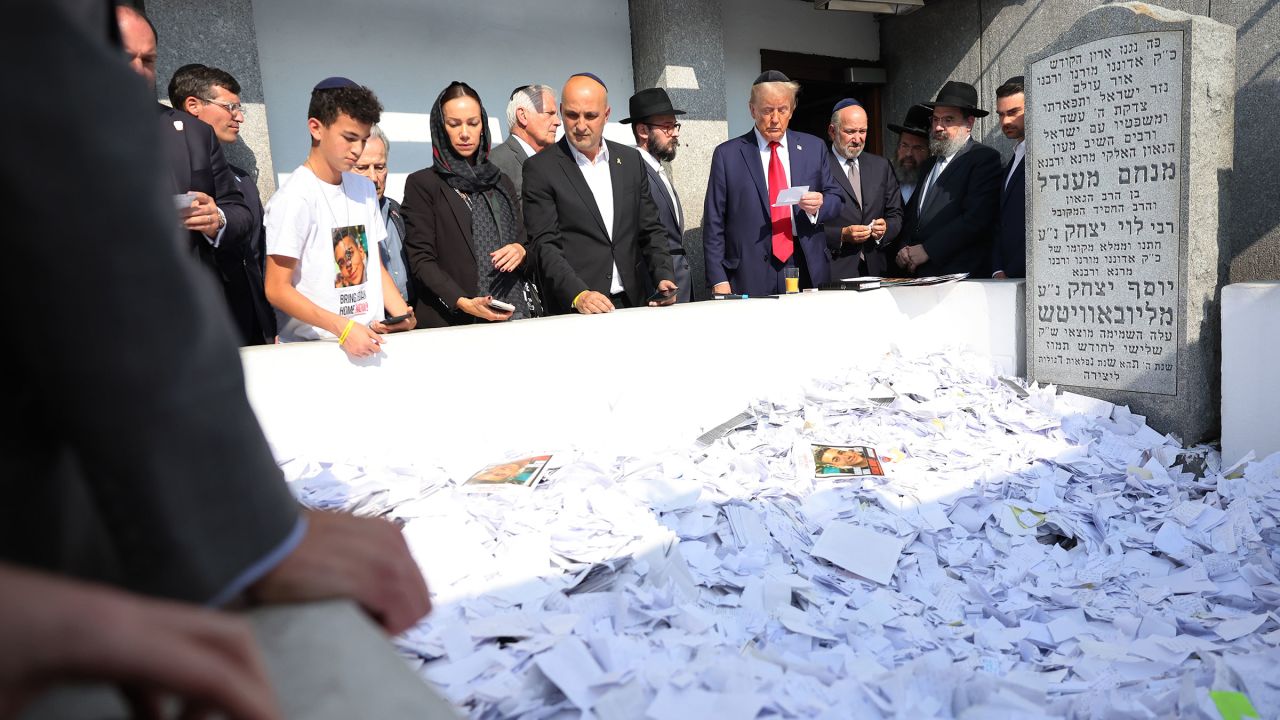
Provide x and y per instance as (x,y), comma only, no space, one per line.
(1023,557)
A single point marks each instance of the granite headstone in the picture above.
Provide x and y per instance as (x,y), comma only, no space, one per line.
(1130,126)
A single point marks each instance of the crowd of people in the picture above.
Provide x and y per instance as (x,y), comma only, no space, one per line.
(152,479)
(495,231)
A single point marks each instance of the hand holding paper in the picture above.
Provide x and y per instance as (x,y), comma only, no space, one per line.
(791,196)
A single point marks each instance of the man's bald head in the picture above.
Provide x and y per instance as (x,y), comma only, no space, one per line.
(848,131)
(139,39)
(584,108)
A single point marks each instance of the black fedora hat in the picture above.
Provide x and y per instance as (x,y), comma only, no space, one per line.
(917,122)
(961,95)
(650,102)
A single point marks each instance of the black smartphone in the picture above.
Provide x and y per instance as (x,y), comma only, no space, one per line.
(661,295)
(396,318)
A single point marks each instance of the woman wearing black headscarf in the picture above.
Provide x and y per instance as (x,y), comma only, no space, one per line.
(464,234)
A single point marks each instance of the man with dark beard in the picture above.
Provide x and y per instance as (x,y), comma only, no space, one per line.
(950,218)
(653,124)
(913,149)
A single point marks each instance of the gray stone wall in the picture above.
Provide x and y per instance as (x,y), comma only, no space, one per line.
(678,45)
(984,42)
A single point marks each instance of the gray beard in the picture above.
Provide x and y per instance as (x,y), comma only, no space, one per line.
(948,147)
(905,176)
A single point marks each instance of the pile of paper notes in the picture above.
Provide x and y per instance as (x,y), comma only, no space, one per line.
(1025,555)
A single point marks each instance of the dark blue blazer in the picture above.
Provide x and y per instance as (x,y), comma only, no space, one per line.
(736,236)
(667,206)
(243,267)
(196,162)
(959,214)
(1009,251)
(881,198)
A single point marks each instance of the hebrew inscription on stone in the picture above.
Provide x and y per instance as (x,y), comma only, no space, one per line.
(1105,131)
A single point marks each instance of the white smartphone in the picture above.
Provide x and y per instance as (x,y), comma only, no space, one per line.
(503,306)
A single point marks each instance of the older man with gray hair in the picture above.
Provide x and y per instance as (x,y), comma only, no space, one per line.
(533,121)
(373,165)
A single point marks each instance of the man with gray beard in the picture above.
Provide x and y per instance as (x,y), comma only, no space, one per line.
(657,134)
(950,217)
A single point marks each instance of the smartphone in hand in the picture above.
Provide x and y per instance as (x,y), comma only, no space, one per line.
(661,295)
(396,319)
(500,306)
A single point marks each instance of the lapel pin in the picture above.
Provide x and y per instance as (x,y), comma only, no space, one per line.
(799,147)
(619,161)
(177,125)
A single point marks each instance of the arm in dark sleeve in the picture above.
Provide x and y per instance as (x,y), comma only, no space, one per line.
(541,218)
(652,235)
(150,401)
(713,231)
(892,208)
(831,202)
(422,244)
(229,199)
(979,204)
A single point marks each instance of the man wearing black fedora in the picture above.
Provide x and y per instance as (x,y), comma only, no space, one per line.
(657,134)
(950,218)
(912,151)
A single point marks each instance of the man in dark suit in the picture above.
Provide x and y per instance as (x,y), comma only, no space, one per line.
(870,204)
(589,213)
(1009,251)
(152,475)
(653,125)
(212,96)
(750,243)
(949,220)
(532,121)
(216,210)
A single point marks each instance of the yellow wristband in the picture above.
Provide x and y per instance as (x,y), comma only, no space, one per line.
(346,331)
(576,298)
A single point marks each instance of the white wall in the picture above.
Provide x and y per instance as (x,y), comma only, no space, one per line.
(407,51)
(1250,384)
(754,25)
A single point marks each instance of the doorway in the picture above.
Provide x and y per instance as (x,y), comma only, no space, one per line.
(822,85)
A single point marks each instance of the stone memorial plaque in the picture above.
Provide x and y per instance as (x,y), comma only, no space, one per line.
(1129,133)
(1107,146)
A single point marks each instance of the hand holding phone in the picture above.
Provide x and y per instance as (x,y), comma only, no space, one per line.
(500,306)
(396,319)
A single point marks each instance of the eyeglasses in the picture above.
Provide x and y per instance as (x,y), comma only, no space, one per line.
(345,262)
(947,120)
(232,108)
(671,129)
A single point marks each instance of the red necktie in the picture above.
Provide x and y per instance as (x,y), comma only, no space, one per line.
(784,243)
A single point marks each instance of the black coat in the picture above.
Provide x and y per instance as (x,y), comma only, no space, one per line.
(437,242)
(959,213)
(574,251)
(881,199)
(135,459)
(1009,251)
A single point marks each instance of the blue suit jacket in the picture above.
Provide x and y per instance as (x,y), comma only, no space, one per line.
(736,236)
(1009,251)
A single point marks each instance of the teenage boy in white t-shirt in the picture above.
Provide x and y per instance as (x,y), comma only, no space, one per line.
(324,272)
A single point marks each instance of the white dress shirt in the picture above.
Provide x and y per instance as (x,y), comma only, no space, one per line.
(939,167)
(784,156)
(596,173)
(527,147)
(666,182)
(1018,153)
